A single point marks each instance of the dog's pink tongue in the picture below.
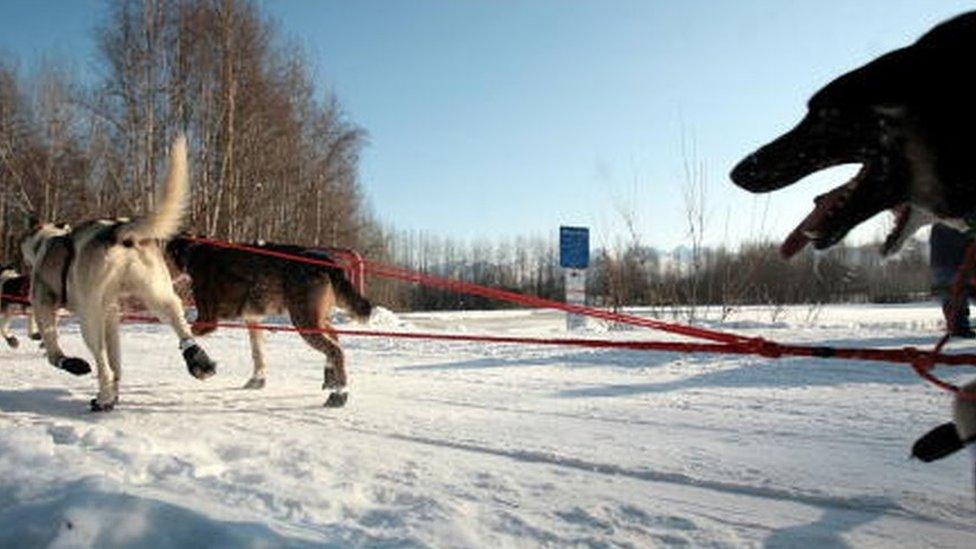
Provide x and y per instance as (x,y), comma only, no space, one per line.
(795,242)
(902,213)
(799,238)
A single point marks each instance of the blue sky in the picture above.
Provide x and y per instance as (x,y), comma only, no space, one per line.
(496,119)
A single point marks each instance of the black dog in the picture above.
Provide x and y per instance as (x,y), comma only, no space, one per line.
(908,118)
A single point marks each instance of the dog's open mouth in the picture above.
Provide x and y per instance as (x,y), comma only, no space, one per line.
(836,212)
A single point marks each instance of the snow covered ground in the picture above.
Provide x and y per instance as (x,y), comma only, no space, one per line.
(474,445)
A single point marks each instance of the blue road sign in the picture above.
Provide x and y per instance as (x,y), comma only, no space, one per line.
(574,247)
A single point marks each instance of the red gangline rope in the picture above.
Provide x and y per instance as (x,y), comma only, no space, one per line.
(391,271)
(920,360)
(908,355)
(959,292)
(722,342)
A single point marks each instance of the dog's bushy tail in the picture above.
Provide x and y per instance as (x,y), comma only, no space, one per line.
(349,298)
(164,221)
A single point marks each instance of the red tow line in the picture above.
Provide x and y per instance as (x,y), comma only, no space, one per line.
(719,342)
(725,343)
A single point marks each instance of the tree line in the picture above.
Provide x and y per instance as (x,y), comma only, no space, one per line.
(272,158)
(629,274)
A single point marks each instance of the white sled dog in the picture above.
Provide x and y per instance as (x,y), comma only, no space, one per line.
(88,268)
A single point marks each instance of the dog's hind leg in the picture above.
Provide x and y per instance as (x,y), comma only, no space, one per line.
(93,332)
(11,340)
(315,330)
(256,337)
(112,347)
(164,303)
(45,311)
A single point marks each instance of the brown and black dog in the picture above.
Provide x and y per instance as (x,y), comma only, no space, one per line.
(231,283)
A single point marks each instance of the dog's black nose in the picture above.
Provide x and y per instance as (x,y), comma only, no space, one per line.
(746,174)
(757,174)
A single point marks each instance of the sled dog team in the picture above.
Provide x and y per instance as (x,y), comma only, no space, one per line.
(86,269)
(906,118)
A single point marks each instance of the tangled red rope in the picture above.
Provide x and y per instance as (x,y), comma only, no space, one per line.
(958,293)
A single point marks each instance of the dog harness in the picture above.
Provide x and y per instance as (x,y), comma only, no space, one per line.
(69,247)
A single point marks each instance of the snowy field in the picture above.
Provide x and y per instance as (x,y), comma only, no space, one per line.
(474,445)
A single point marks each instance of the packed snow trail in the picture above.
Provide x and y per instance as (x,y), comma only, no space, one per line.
(453,444)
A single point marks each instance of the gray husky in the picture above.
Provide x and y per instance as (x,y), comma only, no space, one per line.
(87,270)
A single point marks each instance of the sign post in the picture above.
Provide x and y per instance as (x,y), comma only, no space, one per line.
(574,257)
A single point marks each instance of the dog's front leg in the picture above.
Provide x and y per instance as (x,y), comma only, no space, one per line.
(256,337)
(206,321)
(33,331)
(164,303)
(4,324)
(45,311)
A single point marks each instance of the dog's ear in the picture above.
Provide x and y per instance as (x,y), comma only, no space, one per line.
(33,221)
